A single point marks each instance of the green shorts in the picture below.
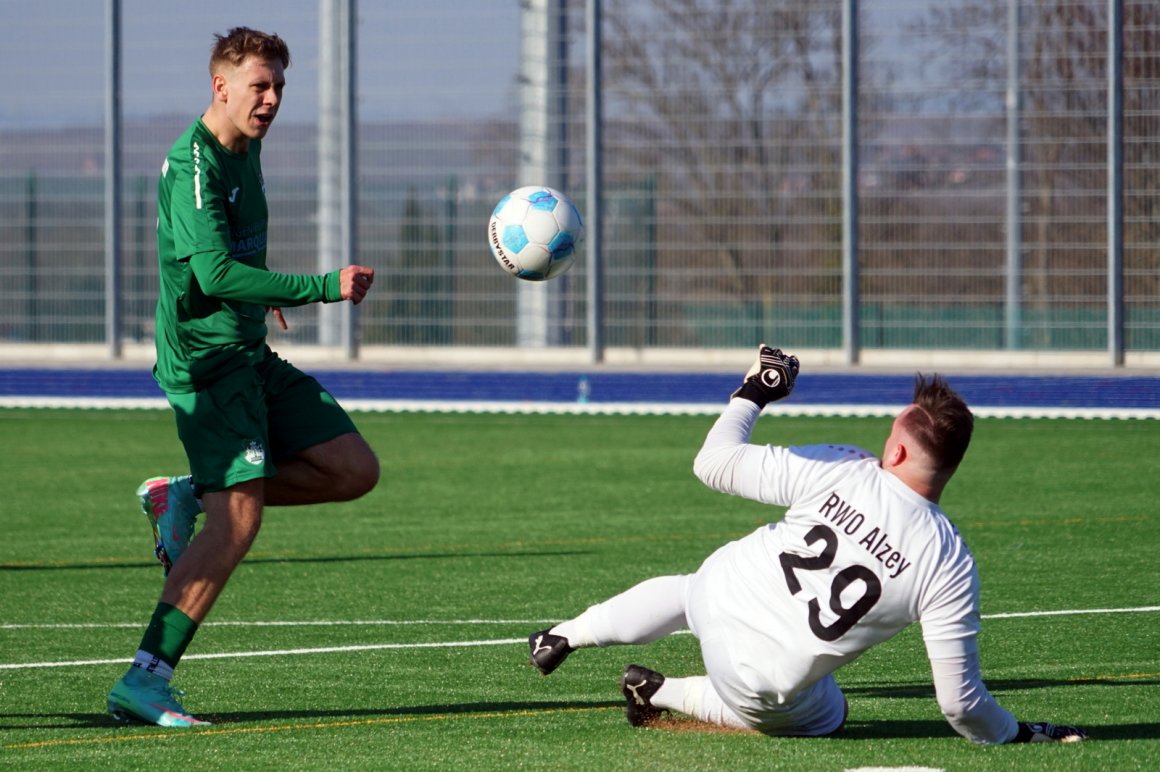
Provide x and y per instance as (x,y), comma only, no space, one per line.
(239,427)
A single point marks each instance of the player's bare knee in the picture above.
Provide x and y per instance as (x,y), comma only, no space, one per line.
(231,533)
(247,531)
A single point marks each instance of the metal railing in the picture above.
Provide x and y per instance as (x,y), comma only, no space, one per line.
(956,175)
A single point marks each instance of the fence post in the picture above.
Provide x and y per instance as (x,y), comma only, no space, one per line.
(851,311)
(595,186)
(1116,182)
(1014,320)
(113,178)
(30,302)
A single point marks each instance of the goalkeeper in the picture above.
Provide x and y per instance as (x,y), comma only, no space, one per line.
(863,550)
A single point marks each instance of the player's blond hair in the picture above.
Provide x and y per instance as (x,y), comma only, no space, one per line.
(240,42)
(943,423)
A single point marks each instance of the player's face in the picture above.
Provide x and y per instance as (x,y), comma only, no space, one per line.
(253,94)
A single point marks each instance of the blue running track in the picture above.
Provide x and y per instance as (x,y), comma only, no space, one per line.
(998,391)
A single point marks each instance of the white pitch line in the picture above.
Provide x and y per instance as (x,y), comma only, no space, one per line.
(896,769)
(278,652)
(1024,614)
(404,622)
(429,645)
(282,623)
(602,408)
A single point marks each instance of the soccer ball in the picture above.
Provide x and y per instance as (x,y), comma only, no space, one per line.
(533,233)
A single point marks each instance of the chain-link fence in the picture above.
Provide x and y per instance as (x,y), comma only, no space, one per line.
(982,177)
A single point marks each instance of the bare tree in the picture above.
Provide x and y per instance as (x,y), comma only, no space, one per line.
(733,105)
(1064,94)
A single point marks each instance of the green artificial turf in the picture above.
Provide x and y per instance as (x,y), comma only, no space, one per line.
(488,527)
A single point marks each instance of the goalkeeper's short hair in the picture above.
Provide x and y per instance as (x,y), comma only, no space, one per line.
(943,423)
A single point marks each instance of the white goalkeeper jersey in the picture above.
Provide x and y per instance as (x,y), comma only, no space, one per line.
(858,556)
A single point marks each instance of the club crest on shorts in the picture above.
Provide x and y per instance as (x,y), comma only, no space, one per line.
(254,453)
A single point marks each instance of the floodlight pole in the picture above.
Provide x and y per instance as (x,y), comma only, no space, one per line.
(540,306)
(337,154)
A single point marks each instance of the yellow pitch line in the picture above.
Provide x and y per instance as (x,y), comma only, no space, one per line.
(1112,677)
(182,733)
(368,722)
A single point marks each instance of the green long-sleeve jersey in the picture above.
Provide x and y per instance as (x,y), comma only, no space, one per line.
(211,249)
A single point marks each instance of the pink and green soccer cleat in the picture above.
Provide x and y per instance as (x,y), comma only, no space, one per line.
(143,696)
(172,510)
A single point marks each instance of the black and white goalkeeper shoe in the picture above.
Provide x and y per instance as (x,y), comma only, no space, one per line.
(546,651)
(639,685)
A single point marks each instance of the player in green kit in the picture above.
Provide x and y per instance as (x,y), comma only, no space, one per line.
(257,431)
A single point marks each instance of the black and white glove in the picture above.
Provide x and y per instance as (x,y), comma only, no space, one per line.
(771,377)
(1048,733)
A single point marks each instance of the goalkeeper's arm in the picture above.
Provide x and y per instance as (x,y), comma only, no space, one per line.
(971,710)
(726,461)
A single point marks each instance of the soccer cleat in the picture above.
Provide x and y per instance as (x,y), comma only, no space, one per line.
(1044,732)
(142,696)
(547,651)
(172,510)
(639,685)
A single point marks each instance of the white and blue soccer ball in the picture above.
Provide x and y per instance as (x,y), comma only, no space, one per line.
(533,233)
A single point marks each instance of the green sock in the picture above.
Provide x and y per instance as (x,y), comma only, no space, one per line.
(169,633)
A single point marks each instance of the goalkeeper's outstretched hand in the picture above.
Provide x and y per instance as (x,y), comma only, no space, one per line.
(1048,733)
(771,378)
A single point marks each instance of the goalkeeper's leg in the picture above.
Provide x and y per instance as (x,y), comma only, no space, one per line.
(695,696)
(644,613)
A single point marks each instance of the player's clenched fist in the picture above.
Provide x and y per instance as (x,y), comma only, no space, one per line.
(771,378)
(354,281)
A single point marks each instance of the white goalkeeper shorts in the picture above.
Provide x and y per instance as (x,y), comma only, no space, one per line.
(738,661)
(816,711)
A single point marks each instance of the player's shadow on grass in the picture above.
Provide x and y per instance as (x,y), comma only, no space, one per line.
(402,713)
(69,566)
(922,730)
(995,685)
(41,721)
(855,729)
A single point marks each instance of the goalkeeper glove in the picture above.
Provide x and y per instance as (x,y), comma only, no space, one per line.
(771,377)
(1046,733)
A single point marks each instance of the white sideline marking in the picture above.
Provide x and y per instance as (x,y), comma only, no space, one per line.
(282,623)
(401,622)
(1018,614)
(279,652)
(600,408)
(428,645)
(896,769)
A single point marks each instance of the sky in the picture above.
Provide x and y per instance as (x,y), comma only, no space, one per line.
(428,59)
